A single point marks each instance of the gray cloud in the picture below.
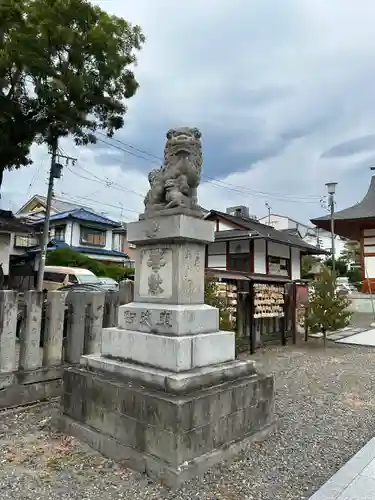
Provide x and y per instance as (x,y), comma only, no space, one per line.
(271,85)
(352,147)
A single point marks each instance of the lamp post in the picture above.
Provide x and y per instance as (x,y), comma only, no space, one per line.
(331,188)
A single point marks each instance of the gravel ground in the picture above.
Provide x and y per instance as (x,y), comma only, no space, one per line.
(325,407)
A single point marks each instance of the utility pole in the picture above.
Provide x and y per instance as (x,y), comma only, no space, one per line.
(268,206)
(331,187)
(54,173)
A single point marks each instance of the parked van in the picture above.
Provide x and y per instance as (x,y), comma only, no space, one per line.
(57,276)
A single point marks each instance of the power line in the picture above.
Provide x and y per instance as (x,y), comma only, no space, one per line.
(106,182)
(74,198)
(128,152)
(131,146)
(212,180)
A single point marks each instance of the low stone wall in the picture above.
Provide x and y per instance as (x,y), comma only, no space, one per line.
(40,335)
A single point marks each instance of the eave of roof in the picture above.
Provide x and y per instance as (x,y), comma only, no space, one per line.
(365,209)
(10,224)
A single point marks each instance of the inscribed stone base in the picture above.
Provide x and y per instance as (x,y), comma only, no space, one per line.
(169,437)
(168,319)
(169,352)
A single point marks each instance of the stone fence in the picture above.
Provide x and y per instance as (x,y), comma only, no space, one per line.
(41,334)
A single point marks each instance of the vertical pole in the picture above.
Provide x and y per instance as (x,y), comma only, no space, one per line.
(332,206)
(44,243)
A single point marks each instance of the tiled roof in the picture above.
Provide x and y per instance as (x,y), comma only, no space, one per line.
(100,251)
(59,205)
(55,244)
(257,230)
(81,214)
(365,209)
(10,224)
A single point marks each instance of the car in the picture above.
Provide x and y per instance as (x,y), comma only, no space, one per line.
(108,284)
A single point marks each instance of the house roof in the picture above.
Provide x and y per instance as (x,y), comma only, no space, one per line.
(347,220)
(57,205)
(254,229)
(55,244)
(10,224)
(292,231)
(81,214)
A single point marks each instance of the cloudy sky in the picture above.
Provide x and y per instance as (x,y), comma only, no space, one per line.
(283,92)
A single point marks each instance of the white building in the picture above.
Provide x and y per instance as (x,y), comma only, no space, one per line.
(243,244)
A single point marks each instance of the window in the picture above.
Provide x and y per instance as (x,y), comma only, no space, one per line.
(25,241)
(239,256)
(94,237)
(278,266)
(72,278)
(60,233)
(55,277)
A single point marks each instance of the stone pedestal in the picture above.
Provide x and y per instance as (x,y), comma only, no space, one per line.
(166,394)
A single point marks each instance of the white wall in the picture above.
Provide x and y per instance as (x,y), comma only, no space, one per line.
(5,251)
(296,264)
(277,221)
(260,256)
(224,226)
(217,261)
(116,242)
(370,267)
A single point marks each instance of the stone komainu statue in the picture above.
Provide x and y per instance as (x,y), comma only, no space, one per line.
(175,183)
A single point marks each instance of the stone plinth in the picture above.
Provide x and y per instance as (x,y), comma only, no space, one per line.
(165,394)
(169,437)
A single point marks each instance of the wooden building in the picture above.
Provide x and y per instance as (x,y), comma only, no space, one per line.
(357,223)
(263,264)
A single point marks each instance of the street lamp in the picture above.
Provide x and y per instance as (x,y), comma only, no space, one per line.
(331,188)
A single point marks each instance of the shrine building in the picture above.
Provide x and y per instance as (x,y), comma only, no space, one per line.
(358,223)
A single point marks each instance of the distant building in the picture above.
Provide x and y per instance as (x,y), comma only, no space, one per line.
(310,234)
(245,245)
(78,227)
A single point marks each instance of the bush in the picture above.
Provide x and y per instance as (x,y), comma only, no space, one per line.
(327,309)
(355,276)
(70,258)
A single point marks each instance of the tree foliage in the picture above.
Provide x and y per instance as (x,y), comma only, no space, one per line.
(351,252)
(341,266)
(214,299)
(65,69)
(308,264)
(70,258)
(327,308)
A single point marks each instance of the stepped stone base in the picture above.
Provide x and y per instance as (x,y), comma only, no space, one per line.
(170,437)
(168,352)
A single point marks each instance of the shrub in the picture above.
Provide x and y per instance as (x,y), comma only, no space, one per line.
(327,308)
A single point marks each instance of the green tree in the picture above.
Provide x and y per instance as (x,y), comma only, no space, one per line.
(351,252)
(214,299)
(327,308)
(340,266)
(308,263)
(65,69)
